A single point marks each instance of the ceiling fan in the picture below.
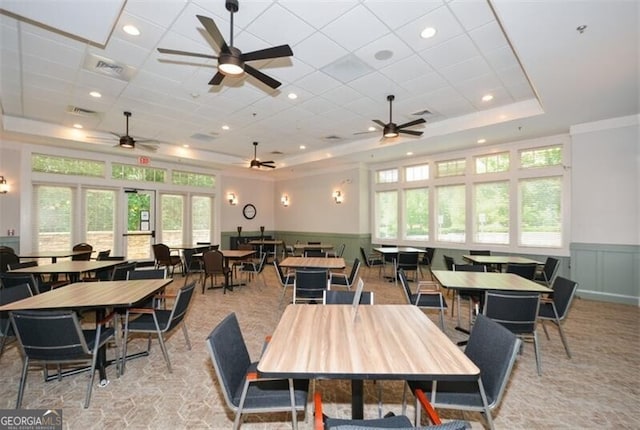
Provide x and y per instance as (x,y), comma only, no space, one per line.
(231,61)
(257,163)
(391,129)
(129,142)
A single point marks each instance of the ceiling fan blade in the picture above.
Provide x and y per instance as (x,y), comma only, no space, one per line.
(412,123)
(267,165)
(267,162)
(262,77)
(411,132)
(188,54)
(366,132)
(213,31)
(217,79)
(380,123)
(264,54)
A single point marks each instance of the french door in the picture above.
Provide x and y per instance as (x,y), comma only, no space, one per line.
(140,228)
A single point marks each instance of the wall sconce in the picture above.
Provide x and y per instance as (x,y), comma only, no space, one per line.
(4,187)
(284,200)
(233,200)
(337,196)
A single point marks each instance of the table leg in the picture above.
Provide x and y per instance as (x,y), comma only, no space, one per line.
(357,399)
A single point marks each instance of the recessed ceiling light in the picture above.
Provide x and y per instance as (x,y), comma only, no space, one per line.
(482,140)
(225,127)
(292,96)
(409,153)
(428,32)
(185,146)
(372,128)
(131,29)
(95,94)
(77,125)
(487,97)
(302,147)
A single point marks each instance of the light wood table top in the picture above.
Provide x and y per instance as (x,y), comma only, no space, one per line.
(384,342)
(499,259)
(92,295)
(396,249)
(265,242)
(313,262)
(487,281)
(69,267)
(234,254)
(53,255)
(305,246)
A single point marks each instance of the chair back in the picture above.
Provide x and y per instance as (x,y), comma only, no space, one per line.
(354,271)
(213,263)
(189,262)
(332,297)
(121,271)
(7,249)
(428,255)
(408,260)
(310,284)
(516,311)
(493,349)
(23,265)
(469,268)
(479,252)
(365,257)
(315,253)
(564,291)
(405,285)
(181,305)
(10,295)
(50,335)
(9,280)
(448,262)
(549,270)
(230,358)
(282,278)
(82,247)
(102,255)
(314,243)
(162,254)
(7,258)
(526,270)
(147,274)
(340,250)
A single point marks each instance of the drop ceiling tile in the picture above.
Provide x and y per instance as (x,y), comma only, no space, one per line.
(407,69)
(488,37)
(318,13)
(278,26)
(448,102)
(53,69)
(38,46)
(317,83)
(450,52)
(123,52)
(342,31)
(377,86)
(441,19)
(318,50)
(468,69)
(500,95)
(472,14)
(149,35)
(162,16)
(395,15)
(188,25)
(341,95)
(347,68)
(318,105)
(248,12)
(375,53)
(290,73)
(501,58)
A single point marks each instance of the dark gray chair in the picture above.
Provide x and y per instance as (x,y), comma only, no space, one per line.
(409,262)
(317,253)
(518,312)
(285,279)
(342,280)
(6,258)
(474,298)
(428,296)
(121,271)
(13,279)
(243,390)
(191,264)
(427,260)
(152,321)
(556,308)
(372,260)
(56,337)
(346,297)
(82,247)
(149,274)
(254,269)
(493,349)
(309,285)
(10,295)
(547,275)
(525,270)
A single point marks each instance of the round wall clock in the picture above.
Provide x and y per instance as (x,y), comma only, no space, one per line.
(249,211)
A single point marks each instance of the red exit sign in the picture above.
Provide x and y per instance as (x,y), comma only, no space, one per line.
(143,160)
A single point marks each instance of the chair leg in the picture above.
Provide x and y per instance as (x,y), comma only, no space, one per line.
(485,405)
(294,417)
(94,360)
(537,352)
(23,382)
(186,335)
(164,351)
(564,339)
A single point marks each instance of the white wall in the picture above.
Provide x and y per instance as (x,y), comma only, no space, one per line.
(248,189)
(605,183)
(10,202)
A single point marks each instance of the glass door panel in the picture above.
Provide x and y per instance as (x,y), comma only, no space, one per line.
(140,230)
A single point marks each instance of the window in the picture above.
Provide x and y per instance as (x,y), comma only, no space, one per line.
(137,173)
(451,168)
(193,179)
(541,157)
(53,218)
(416,214)
(201,218)
(541,212)
(172,226)
(416,173)
(386,218)
(451,213)
(493,163)
(66,166)
(387,176)
(491,212)
(100,219)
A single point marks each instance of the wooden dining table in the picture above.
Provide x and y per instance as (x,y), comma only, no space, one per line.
(53,255)
(499,260)
(97,296)
(72,268)
(396,342)
(330,263)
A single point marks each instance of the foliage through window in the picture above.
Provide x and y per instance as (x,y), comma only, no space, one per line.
(172,207)
(416,214)
(541,212)
(493,163)
(193,179)
(67,166)
(100,218)
(451,168)
(451,213)
(53,218)
(137,173)
(416,173)
(387,176)
(541,157)
(491,212)
(386,224)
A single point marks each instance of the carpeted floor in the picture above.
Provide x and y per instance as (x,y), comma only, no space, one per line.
(599,388)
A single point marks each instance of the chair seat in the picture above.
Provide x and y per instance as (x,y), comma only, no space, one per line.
(271,393)
(395,422)
(546,311)
(145,322)
(453,393)
(429,300)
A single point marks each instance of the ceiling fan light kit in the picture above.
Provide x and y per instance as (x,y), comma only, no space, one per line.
(391,129)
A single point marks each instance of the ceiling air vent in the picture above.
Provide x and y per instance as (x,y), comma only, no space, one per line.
(202,137)
(332,137)
(276,153)
(108,67)
(423,112)
(75,110)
